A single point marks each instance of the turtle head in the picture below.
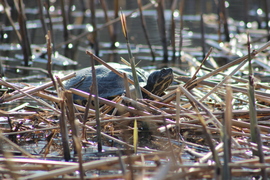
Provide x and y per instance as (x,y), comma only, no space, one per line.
(158,81)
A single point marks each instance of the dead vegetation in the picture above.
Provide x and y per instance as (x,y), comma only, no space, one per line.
(211,124)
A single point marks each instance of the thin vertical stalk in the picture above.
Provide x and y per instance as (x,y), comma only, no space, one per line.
(25,43)
(203,36)
(202,29)
(181,11)
(206,131)
(178,111)
(162,29)
(266,10)
(116,15)
(227,122)
(65,30)
(75,135)
(49,53)
(8,14)
(69,12)
(86,112)
(254,129)
(41,16)
(71,116)
(173,6)
(47,6)
(93,21)
(145,30)
(138,91)
(64,131)
(107,19)
(96,100)
(223,18)
(246,13)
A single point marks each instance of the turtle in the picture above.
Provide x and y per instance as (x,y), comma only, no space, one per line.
(111,85)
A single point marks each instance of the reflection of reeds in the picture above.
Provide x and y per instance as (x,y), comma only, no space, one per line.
(266,12)
(162,29)
(223,20)
(110,27)
(94,36)
(22,35)
(181,13)
(145,30)
(173,7)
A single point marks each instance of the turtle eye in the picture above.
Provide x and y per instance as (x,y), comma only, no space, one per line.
(163,71)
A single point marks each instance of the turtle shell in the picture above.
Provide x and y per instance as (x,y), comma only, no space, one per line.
(109,83)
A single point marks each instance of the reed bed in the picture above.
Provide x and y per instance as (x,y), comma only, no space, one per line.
(200,129)
(210,124)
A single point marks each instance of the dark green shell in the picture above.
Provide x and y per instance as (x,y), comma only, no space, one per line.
(109,83)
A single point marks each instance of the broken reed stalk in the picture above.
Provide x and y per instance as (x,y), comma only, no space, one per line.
(227,125)
(47,8)
(178,111)
(194,101)
(96,101)
(141,106)
(71,116)
(64,130)
(15,146)
(117,140)
(49,64)
(98,164)
(74,129)
(110,103)
(24,93)
(138,91)
(263,96)
(126,85)
(209,138)
(197,70)
(32,90)
(254,130)
(9,165)
(237,61)
(207,133)
(224,80)
(49,144)
(139,2)
(87,110)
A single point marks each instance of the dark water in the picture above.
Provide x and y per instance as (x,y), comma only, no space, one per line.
(238,10)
